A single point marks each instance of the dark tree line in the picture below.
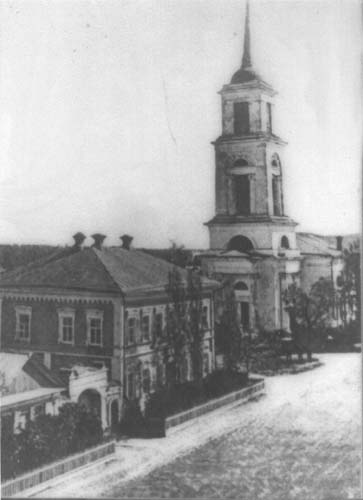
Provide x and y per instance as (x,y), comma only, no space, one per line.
(184,332)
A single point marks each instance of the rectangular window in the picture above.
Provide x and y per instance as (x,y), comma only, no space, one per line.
(131,385)
(159,375)
(23,326)
(23,322)
(146,382)
(242,194)
(21,419)
(185,367)
(67,329)
(96,331)
(131,327)
(276,195)
(158,324)
(269,117)
(205,322)
(66,325)
(145,327)
(241,118)
(94,327)
(206,364)
(38,410)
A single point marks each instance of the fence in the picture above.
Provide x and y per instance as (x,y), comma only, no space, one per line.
(243,394)
(15,486)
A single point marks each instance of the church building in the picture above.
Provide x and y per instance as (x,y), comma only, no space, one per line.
(254,246)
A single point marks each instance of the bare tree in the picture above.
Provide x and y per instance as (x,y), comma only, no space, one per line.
(196,327)
(184,332)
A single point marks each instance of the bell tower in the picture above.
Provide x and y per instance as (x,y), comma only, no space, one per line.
(249,165)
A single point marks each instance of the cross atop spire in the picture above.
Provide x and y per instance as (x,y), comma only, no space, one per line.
(246,59)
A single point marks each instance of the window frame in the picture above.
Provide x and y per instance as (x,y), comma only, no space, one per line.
(276,196)
(128,340)
(131,388)
(205,316)
(284,242)
(206,363)
(62,315)
(269,117)
(160,323)
(146,380)
(94,314)
(241,118)
(160,375)
(242,194)
(145,337)
(22,311)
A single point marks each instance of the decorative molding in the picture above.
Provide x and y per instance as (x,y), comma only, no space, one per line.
(27,296)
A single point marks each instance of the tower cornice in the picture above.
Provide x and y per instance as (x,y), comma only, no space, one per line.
(235,88)
(261,136)
(265,219)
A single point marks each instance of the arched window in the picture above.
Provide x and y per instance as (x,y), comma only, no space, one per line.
(240,285)
(240,163)
(276,163)
(277,185)
(285,242)
(269,116)
(240,243)
(242,194)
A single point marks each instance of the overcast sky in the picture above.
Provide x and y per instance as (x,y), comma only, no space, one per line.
(108,108)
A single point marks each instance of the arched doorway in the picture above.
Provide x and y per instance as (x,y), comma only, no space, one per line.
(240,243)
(91,399)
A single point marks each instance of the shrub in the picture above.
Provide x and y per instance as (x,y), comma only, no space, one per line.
(342,339)
(133,422)
(48,438)
(222,382)
(9,465)
(178,398)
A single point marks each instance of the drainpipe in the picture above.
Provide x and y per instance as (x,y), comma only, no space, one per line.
(280,298)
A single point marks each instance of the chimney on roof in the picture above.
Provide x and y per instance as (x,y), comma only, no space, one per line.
(98,240)
(78,240)
(126,241)
(340,243)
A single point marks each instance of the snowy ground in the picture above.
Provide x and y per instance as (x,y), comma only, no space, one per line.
(302,440)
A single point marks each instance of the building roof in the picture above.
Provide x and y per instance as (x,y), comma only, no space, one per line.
(41,374)
(12,365)
(314,244)
(109,269)
(28,397)
(80,270)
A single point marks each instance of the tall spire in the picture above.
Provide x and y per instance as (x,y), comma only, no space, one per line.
(246,59)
